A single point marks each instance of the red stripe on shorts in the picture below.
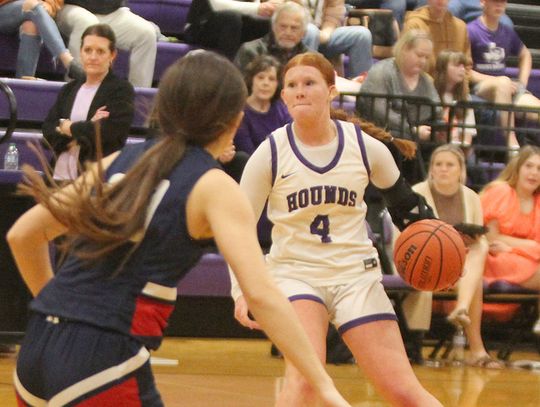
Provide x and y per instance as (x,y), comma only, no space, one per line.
(123,394)
(150,317)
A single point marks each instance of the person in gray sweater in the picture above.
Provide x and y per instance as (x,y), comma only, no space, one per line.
(401,75)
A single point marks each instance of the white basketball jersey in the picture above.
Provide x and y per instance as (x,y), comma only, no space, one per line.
(319,233)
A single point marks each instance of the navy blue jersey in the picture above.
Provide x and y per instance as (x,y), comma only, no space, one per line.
(139,300)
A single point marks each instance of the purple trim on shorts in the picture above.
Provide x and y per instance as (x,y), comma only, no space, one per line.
(273,150)
(364,320)
(362,148)
(306,297)
(301,158)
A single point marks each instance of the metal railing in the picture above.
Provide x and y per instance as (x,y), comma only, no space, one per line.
(12,112)
(494,125)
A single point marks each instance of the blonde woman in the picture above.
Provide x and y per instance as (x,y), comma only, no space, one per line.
(511,207)
(455,204)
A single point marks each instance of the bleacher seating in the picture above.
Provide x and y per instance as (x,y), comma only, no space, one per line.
(525,15)
(32,114)
(167,54)
(169,15)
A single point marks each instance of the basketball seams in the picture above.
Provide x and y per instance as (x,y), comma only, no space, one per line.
(420,250)
(462,259)
(431,235)
(416,246)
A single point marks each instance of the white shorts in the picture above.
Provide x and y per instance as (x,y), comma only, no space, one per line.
(358,302)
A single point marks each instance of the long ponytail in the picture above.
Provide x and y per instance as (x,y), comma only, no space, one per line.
(406,147)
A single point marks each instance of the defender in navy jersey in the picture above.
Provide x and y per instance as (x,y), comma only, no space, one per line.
(135,232)
(313,174)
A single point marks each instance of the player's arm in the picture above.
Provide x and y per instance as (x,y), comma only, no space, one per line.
(217,204)
(256,183)
(405,206)
(29,237)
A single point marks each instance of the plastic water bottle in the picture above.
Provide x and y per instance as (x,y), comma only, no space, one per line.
(458,347)
(11,158)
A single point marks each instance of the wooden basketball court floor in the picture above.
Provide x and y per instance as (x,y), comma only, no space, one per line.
(241,373)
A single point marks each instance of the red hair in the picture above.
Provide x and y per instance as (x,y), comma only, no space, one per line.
(316,61)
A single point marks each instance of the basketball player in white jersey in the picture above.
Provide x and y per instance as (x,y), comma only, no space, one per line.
(313,173)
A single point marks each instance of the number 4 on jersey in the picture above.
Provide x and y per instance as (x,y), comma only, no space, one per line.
(321,226)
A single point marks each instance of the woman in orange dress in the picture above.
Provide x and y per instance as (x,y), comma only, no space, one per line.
(511,206)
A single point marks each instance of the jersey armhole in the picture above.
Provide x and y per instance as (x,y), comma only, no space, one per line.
(362,146)
(273,153)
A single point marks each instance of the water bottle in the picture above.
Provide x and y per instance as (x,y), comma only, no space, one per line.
(11,158)
(458,347)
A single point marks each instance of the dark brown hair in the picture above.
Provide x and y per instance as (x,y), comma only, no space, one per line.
(260,64)
(461,90)
(101,30)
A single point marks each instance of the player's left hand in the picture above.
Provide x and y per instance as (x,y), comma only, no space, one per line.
(241,314)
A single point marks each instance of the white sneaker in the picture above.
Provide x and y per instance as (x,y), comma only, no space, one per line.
(536,327)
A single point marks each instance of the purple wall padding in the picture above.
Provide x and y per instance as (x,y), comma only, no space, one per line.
(209,278)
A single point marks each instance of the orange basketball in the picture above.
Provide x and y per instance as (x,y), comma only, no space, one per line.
(429,255)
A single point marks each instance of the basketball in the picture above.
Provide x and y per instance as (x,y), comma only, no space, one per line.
(429,255)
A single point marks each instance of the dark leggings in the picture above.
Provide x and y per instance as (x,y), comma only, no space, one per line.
(225,31)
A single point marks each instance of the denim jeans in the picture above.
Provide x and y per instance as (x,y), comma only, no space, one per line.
(12,17)
(354,41)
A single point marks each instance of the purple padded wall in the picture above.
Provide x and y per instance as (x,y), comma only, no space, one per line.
(209,278)
(35,98)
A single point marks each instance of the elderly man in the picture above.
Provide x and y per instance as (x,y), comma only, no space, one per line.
(327,35)
(283,42)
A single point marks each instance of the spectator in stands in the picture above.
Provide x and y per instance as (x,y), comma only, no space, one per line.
(327,35)
(264,111)
(469,10)
(454,203)
(103,98)
(402,75)
(284,41)
(398,7)
(491,44)
(224,25)
(511,207)
(133,33)
(451,83)
(33,20)
(447,31)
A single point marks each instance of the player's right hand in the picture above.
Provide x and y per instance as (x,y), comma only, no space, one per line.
(241,314)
